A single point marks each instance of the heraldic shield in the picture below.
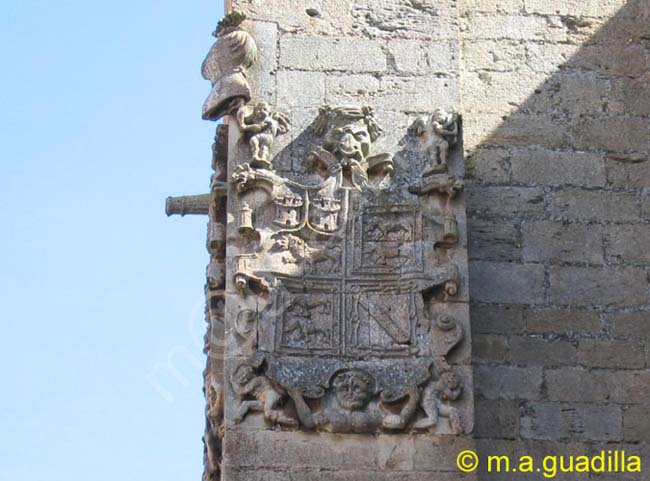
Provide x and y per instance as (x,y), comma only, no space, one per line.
(342,277)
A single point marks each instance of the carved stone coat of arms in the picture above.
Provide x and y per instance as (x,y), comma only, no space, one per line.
(344,282)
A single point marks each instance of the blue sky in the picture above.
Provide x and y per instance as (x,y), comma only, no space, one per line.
(101,121)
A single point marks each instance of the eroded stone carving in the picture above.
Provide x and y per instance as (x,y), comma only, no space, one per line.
(226,66)
(435,398)
(214,397)
(258,393)
(348,133)
(344,274)
(437,134)
(352,407)
(262,126)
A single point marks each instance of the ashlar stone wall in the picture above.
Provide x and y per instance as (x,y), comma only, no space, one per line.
(555,104)
(556,101)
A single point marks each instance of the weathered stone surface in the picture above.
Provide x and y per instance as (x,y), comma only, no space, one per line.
(597,386)
(496,56)
(558,242)
(491,348)
(606,134)
(290,96)
(489,240)
(589,205)
(505,382)
(497,319)
(636,423)
(424,58)
(537,351)
(515,27)
(628,171)
(627,243)
(505,201)
(635,325)
(587,8)
(331,53)
(554,122)
(611,354)
(489,165)
(391,92)
(544,420)
(547,167)
(497,419)
(547,320)
(608,287)
(507,283)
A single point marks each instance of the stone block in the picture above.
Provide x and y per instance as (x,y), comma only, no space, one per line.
(597,386)
(488,319)
(547,167)
(628,243)
(578,8)
(632,325)
(492,240)
(636,423)
(490,6)
(300,89)
(503,282)
(610,353)
(549,58)
(558,242)
(490,348)
(516,129)
(613,134)
(550,320)
(266,38)
(628,171)
(590,205)
(553,421)
(331,54)
(496,419)
(537,351)
(388,19)
(415,57)
(630,96)
(511,27)
(493,201)
(507,382)
(492,55)
(596,286)
(497,92)
(491,166)
(396,93)
(439,455)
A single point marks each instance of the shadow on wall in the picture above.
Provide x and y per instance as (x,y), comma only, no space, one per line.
(557,131)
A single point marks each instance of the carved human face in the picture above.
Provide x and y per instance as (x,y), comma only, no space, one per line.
(352,389)
(243,374)
(262,110)
(349,141)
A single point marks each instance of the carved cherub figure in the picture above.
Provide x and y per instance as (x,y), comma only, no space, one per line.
(437,134)
(266,397)
(262,127)
(434,396)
